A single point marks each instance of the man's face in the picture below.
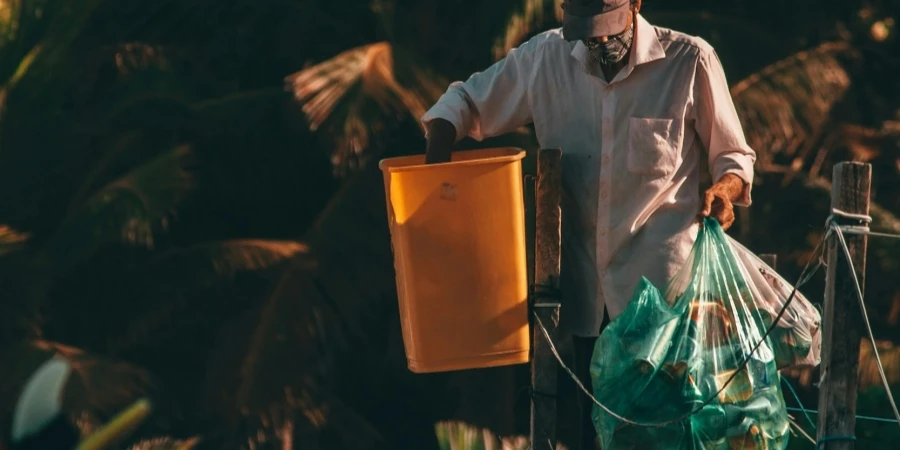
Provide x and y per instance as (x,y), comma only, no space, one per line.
(612,49)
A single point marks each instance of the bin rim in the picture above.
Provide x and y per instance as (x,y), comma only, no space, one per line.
(516,154)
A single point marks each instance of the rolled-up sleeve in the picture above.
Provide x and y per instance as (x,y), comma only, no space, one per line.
(491,102)
(718,125)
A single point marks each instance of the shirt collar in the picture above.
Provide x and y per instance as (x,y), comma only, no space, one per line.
(645,47)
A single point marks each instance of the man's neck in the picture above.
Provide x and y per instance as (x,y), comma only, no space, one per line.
(611,70)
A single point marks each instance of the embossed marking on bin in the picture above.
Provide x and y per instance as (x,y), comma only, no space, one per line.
(448,191)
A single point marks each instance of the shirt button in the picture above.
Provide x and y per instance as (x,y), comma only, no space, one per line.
(602,232)
(608,88)
(604,159)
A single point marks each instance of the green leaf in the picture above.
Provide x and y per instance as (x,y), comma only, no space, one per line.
(127,210)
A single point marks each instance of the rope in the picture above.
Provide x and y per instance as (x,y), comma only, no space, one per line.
(825,439)
(799,403)
(858,417)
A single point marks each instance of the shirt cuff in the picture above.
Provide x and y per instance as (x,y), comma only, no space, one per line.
(742,166)
(450,113)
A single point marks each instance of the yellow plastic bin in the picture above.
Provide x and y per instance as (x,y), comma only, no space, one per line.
(458,232)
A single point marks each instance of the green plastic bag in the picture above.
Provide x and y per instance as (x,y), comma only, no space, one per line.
(671,368)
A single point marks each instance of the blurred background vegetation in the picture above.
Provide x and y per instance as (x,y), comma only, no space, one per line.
(191,208)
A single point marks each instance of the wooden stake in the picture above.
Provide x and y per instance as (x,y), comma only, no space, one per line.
(842,319)
(544,366)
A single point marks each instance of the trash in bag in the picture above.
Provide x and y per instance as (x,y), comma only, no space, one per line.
(797,337)
(688,368)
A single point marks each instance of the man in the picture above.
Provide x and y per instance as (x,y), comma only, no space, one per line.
(633,107)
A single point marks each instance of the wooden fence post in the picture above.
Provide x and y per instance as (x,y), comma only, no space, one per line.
(545,298)
(842,318)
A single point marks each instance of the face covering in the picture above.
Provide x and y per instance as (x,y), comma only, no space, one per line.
(613,50)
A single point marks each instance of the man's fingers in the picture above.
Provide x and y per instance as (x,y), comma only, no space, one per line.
(724,214)
(708,199)
(726,219)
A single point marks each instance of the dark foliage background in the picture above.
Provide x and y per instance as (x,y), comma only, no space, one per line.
(192,210)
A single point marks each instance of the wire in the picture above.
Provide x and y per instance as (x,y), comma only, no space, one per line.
(799,403)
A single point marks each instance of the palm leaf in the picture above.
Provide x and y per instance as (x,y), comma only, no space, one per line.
(11,240)
(289,376)
(352,95)
(180,275)
(66,24)
(216,260)
(533,15)
(22,284)
(869,376)
(454,435)
(165,443)
(784,107)
(130,57)
(325,329)
(96,391)
(127,210)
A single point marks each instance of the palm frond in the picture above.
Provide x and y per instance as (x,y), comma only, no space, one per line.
(783,108)
(101,387)
(62,30)
(183,276)
(291,376)
(869,375)
(165,443)
(454,435)
(205,262)
(22,279)
(97,389)
(533,15)
(354,94)
(11,240)
(128,210)
(133,56)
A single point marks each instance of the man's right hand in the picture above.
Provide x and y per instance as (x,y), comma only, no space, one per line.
(441,137)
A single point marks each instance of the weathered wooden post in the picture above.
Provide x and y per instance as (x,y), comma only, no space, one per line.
(545,298)
(842,318)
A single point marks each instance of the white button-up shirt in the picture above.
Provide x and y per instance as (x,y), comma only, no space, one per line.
(631,152)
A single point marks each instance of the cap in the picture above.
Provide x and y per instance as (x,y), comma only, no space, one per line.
(584,19)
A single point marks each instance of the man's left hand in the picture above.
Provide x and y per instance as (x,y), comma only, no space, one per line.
(717,199)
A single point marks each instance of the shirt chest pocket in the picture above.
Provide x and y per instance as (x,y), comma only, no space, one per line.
(653,146)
